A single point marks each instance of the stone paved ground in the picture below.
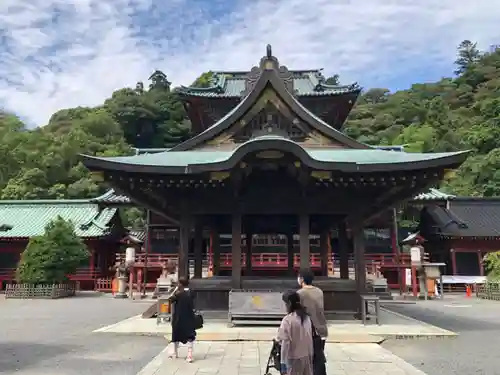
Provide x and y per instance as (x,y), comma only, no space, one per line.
(40,337)
(340,330)
(473,352)
(249,358)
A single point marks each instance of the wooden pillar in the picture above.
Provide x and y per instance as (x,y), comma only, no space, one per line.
(480,261)
(343,250)
(147,250)
(184,234)
(92,263)
(248,254)
(131,282)
(305,257)
(290,253)
(323,245)
(358,239)
(139,277)
(236,251)
(396,251)
(198,249)
(453,254)
(215,249)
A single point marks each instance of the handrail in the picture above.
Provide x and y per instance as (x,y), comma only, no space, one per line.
(7,272)
(85,272)
(278,259)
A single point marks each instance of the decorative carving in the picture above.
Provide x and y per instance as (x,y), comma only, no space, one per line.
(287,77)
(252,78)
(268,62)
(270,121)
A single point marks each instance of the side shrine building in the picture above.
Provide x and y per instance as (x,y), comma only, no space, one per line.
(276,162)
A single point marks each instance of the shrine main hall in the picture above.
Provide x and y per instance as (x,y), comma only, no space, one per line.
(268,156)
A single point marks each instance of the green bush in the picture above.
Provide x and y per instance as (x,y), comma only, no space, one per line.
(492,266)
(50,258)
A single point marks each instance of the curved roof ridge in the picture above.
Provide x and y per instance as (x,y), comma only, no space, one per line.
(44,201)
(269,76)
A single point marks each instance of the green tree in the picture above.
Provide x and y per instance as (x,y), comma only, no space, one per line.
(50,258)
(492,266)
(333,80)
(468,54)
(204,80)
(159,81)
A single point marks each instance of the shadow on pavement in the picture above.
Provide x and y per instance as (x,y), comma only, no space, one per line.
(20,355)
(445,319)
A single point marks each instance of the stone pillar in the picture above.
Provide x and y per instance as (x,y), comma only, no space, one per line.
(343,244)
(236,251)
(122,287)
(305,257)
(248,254)
(290,254)
(198,249)
(184,234)
(358,239)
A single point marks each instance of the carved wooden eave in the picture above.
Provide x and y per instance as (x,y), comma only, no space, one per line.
(270,86)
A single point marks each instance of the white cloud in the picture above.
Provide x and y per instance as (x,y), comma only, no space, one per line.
(64,53)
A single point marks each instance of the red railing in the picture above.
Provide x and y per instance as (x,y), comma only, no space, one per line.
(7,273)
(389,260)
(280,260)
(85,273)
(104,284)
(154,259)
(269,260)
(81,274)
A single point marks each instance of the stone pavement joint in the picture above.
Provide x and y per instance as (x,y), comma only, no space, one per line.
(250,358)
(339,331)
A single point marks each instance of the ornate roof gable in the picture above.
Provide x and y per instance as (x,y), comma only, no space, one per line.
(269,94)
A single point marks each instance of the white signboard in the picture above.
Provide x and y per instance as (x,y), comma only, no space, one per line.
(415,255)
(457,279)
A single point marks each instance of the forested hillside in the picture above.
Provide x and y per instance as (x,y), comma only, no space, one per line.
(453,114)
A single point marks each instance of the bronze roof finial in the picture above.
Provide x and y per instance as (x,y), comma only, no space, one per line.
(269,51)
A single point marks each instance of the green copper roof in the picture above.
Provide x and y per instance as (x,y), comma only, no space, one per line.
(111,198)
(305,83)
(352,160)
(434,195)
(22,219)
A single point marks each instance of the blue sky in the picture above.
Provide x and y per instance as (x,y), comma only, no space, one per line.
(65,53)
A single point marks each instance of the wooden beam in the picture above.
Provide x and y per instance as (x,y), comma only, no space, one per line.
(236,250)
(248,253)
(323,240)
(145,202)
(214,232)
(358,239)
(304,241)
(343,250)
(290,255)
(198,248)
(398,198)
(185,233)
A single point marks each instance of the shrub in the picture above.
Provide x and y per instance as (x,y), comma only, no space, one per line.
(50,258)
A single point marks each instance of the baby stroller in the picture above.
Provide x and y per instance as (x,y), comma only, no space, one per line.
(274,360)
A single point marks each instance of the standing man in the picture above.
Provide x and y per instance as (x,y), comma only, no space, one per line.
(311,298)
